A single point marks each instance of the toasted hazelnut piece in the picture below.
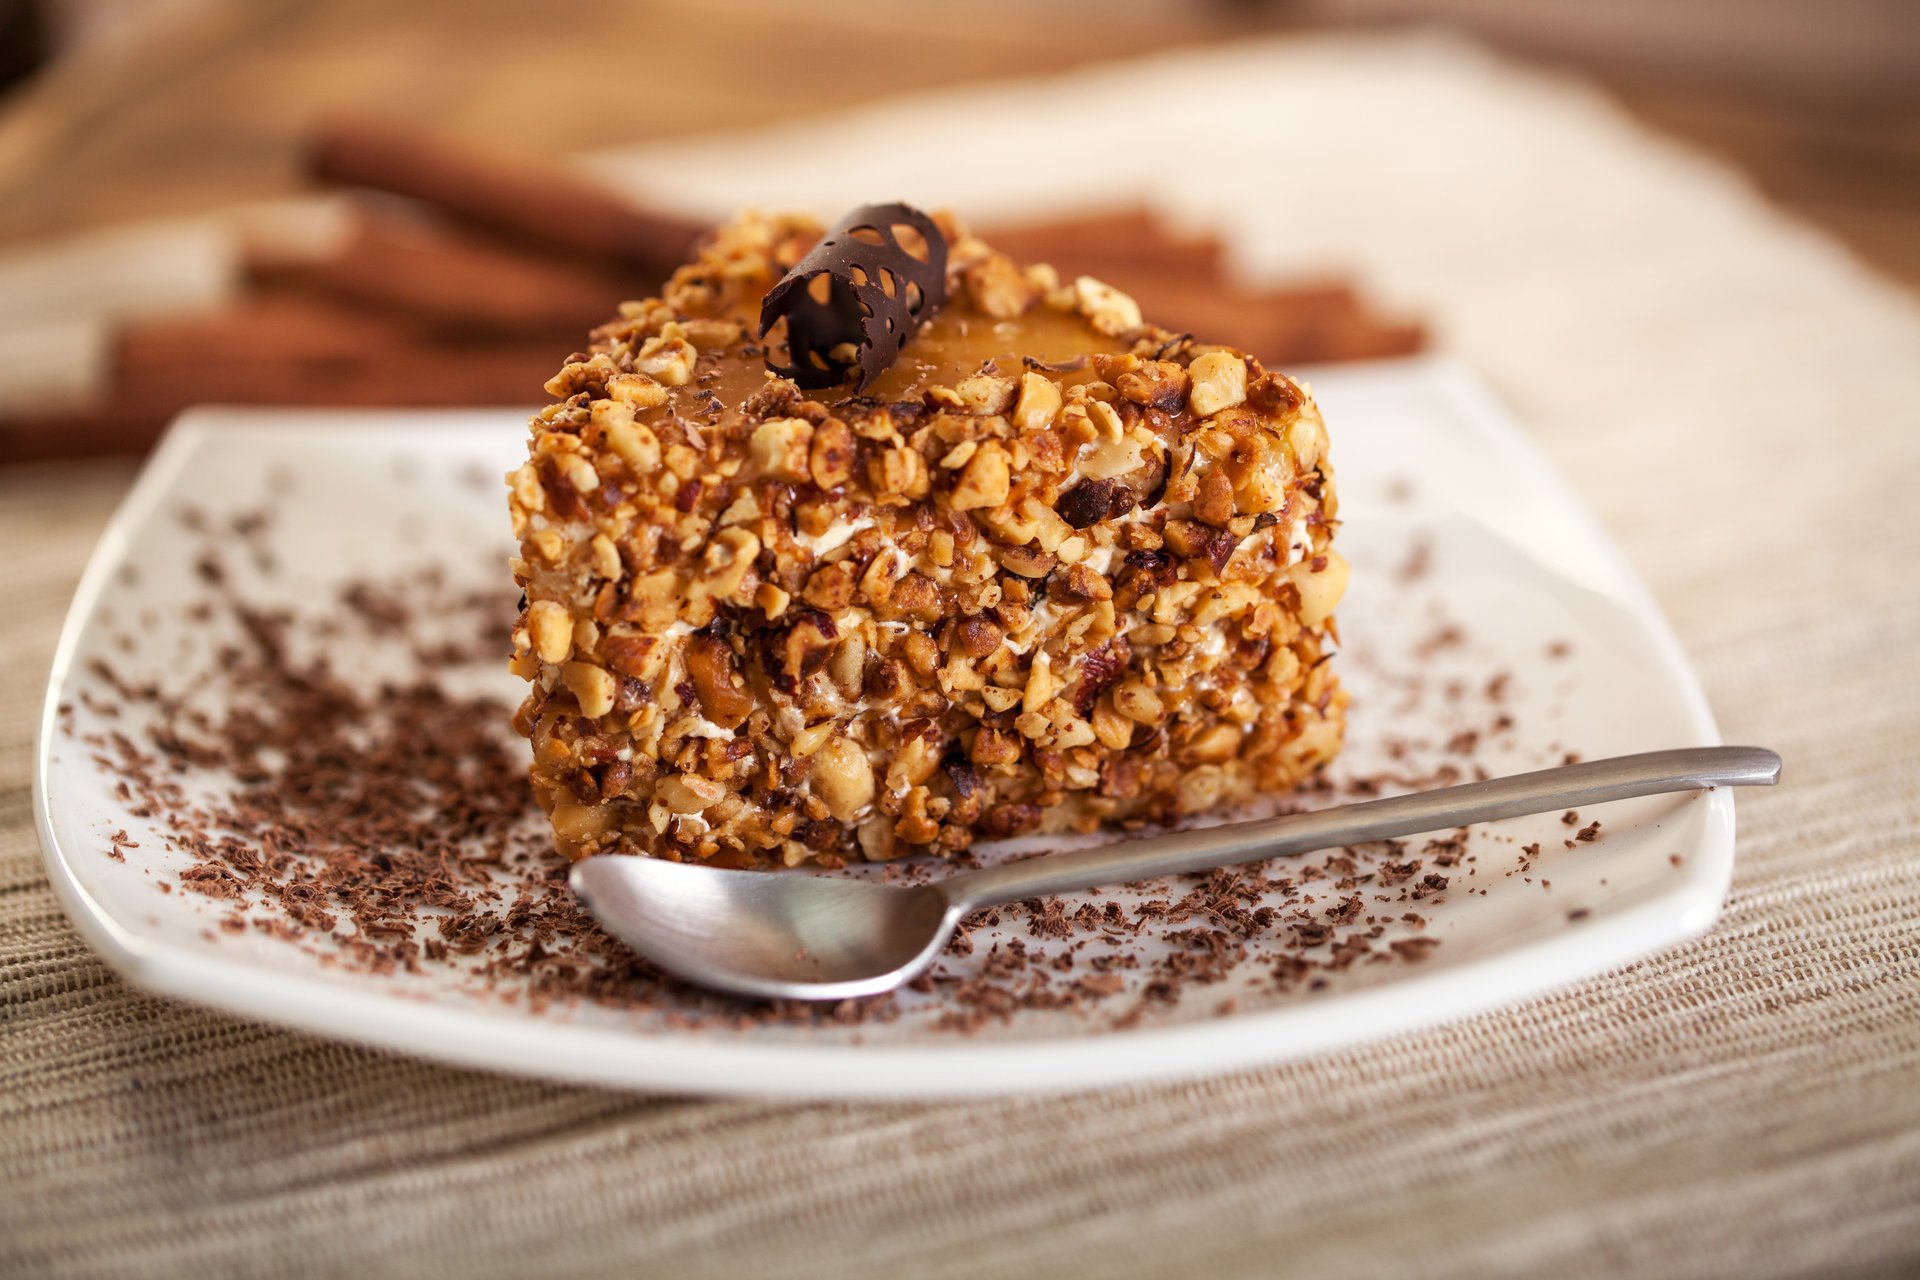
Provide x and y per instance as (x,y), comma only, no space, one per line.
(1079,583)
(1264,490)
(876,584)
(716,682)
(842,777)
(985,394)
(1201,788)
(1075,732)
(668,359)
(998,288)
(917,596)
(1049,530)
(1000,699)
(1107,418)
(986,481)
(1308,437)
(1232,599)
(611,415)
(582,375)
(875,837)
(1009,527)
(1028,562)
(1113,730)
(1158,384)
(807,644)
(548,545)
(1113,457)
(579,473)
(1105,307)
(831,586)
(898,473)
(978,637)
(1155,633)
(635,391)
(688,793)
(653,600)
(848,665)
(1321,580)
(923,655)
(605,557)
(527,491)
(1075,427)
(712,335)
(887,679)
(1214,501)
(728,560)
(913,764)
(1039,401)
(1136,702)
(771,600)
(1215,745)
(1033,725)
(636,444)
(1219,382)
(915,825)
(1042,684)
(592,687)
(1275,394)
(831,458)
(940,547)
(551,629)
(779,448)
(682,461)
(640,657)
(1187,538)
(812,738)
(574,825)
(744,509)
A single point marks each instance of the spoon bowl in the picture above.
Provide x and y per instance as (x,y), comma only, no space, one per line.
(765,934)
(811,937)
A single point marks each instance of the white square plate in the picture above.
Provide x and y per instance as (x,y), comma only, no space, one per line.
(1471,560)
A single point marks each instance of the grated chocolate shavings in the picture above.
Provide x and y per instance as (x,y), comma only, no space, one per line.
(385,826)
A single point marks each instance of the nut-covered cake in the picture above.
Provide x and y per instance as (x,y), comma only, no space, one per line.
(1050,567)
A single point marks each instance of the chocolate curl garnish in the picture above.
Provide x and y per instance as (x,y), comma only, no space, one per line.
(858,296)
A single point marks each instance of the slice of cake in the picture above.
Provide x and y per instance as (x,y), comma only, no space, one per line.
(1039,567)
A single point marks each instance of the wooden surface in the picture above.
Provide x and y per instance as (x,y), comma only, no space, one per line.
(209,110)
(1849,167)
(1741,1106)
(211,113)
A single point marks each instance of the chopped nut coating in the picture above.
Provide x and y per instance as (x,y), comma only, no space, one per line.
(1055,568)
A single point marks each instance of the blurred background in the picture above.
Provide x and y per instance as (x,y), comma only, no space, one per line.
(450,281)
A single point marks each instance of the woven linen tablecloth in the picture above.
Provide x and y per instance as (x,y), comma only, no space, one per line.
(1738,399)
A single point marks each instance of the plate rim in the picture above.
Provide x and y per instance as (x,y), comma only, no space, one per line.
(734,1064)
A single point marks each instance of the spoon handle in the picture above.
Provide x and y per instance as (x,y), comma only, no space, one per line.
(1182,852)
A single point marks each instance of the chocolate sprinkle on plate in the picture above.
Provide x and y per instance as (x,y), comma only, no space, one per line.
(383,826)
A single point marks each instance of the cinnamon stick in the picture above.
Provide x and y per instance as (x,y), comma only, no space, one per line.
(293,350)
(1111,240)
(458,281)
(282,351)
(537,205)
(412,312)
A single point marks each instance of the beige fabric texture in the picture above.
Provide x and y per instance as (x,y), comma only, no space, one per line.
(1741,403)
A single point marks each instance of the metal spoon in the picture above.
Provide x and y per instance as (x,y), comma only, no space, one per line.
(810,937)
